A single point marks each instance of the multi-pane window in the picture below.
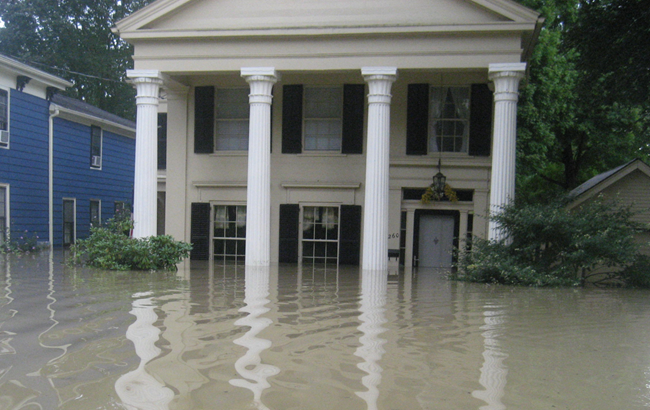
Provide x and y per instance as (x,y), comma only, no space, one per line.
(4,118)
(320,234)
(232,113)
(323,112)
(229,234)
(3,214)
(449,119)
(95,147)
(95,212)
(68,222)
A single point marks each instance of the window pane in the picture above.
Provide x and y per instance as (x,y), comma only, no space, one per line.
(232,103)
(449,119)
(232,125)
(323,102)
(4,99)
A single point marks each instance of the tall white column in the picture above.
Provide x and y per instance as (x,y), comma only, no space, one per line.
(506,79)
(145,185)
(375,213)
(258,196)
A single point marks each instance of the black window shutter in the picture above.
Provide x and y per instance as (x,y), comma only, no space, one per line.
(480,120)
(289,231)
(350,241)
(353,109)
(292,119)
(204,120)
(200,231)
(417,119)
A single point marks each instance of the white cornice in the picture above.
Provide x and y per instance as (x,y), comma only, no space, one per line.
(87,119)
(170,34)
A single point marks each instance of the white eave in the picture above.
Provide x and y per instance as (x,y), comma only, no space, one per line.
(37,75)
(88,119)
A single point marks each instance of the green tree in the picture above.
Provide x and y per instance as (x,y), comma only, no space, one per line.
(571,124)
(73,40)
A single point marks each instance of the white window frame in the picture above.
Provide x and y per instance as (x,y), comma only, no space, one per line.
(213,256)
(432,143)
(302,239)
(218,119)
(306,118)
(7,217)
(101,148)
(74,219)
(6,145)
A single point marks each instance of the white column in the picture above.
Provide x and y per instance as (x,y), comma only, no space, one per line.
(375,212)
(258,198)
(145,185)
(506,79)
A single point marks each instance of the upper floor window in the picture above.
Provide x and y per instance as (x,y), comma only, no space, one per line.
(449,119)
(232,112)
(95,147)
(323,119)
(4,119)
(323,113)
(454,119)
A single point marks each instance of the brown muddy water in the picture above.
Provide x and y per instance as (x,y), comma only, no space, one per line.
(220,337)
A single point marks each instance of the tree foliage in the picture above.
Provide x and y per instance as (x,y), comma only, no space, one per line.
(578,118)
(72,39)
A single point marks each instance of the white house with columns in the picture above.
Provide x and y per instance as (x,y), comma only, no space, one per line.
(304,131)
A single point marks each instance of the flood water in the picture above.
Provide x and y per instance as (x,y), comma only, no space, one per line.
(220,337)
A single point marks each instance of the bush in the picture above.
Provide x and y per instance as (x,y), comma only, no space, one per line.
(552,246)
(20,243)
(110,247)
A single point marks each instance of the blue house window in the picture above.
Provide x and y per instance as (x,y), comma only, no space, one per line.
(3,214)
(95,213)
(95,147)
(4,119)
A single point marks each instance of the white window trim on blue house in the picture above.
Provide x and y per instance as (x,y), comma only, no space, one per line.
(6,111)
(96,148)
(4,220)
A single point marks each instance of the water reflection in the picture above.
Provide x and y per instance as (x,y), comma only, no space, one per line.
(372,307)
(493,372)
(250,366)
(138,389)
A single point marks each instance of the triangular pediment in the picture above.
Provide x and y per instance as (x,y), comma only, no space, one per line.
(234,15)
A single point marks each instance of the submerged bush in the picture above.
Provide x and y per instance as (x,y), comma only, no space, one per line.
(110,247)
(550,245)
(20,243)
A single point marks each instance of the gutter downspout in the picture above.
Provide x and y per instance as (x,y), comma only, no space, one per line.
(54,112)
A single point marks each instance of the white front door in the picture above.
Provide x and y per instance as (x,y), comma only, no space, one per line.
(436,241)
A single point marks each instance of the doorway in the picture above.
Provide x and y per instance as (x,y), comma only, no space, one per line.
(435,238)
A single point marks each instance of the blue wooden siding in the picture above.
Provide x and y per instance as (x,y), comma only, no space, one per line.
(24,166)
(74,178)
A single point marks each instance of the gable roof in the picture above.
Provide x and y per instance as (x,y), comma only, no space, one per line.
(198,18)
(598,183)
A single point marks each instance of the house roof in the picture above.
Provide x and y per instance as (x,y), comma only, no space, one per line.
(19,68)
(91,112)
(601,181)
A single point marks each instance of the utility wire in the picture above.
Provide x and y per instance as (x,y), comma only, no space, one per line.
(34,63)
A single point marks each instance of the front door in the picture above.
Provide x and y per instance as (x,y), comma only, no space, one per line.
(435,241)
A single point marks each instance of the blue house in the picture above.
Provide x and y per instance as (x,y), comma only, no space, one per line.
(64,164)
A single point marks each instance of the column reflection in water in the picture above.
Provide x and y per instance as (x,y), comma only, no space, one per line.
(138,389)
(493,373)
(373,301)
(250,367)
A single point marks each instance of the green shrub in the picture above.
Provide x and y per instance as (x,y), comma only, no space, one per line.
(551,246)
(20,243)
(110,247)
